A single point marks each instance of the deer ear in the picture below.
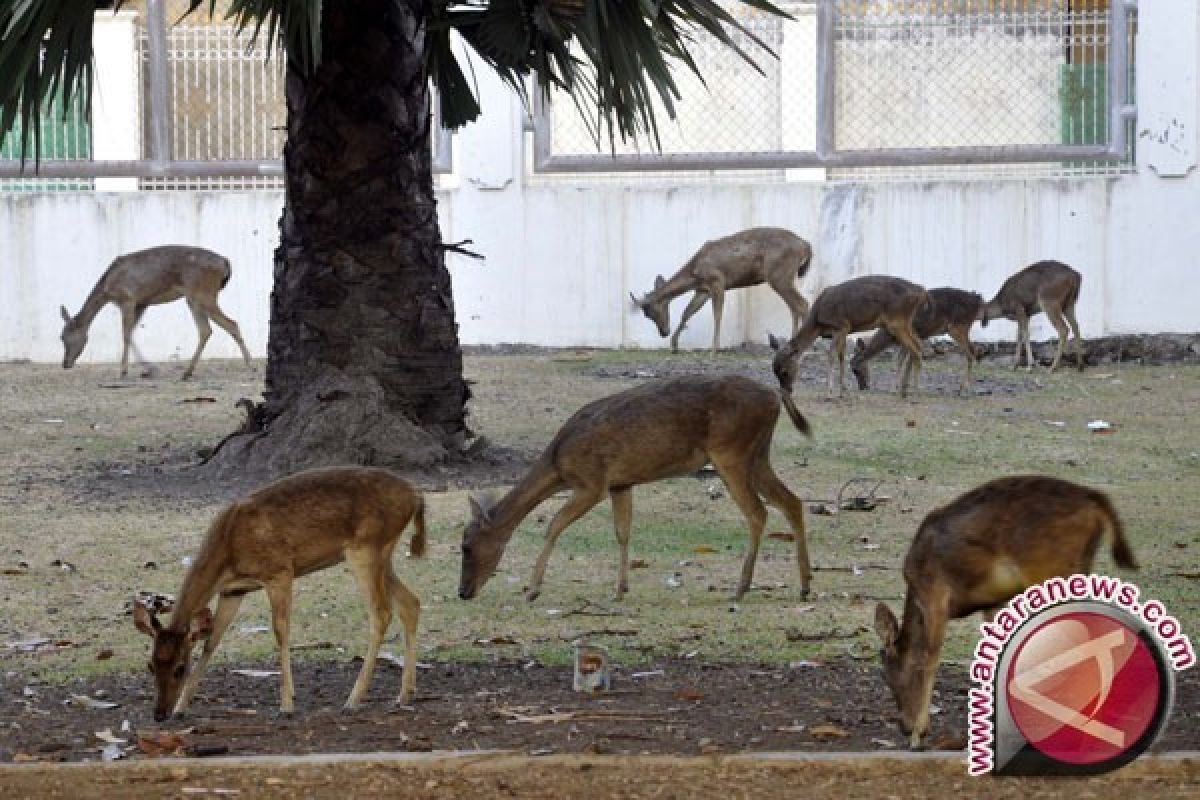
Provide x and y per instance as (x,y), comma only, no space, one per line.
(65,314)
(146,622)
(481,507)
(659,282)
(859,346)
(202,625)
(886,626)
(636,303)
(775,343)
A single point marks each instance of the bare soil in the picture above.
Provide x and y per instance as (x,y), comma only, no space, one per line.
(671,707)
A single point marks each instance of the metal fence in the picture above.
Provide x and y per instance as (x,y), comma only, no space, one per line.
(894,88)
(212,111)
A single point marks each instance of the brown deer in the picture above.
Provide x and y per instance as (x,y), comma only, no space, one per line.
(976,554)
(151,277)
(1049,286)
(654,431)
(949,311)
(290,528)
(859,304)
(773,256)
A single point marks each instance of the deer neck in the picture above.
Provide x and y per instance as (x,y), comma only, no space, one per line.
(539,483)
(680,283)
(912,638)
(97,300)
(199,586)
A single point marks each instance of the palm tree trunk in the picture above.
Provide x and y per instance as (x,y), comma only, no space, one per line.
(363,362)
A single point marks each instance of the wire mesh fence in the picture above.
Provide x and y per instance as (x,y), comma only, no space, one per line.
(889,83)
(735,108)
(226,97)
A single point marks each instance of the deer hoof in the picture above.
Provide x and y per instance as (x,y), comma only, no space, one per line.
(532,594)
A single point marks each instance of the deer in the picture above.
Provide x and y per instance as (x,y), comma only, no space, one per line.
(859,304)
(949,311)
(977,553)
(296,526)
(752,257)
(657,430)
(135,281)
(1049,286)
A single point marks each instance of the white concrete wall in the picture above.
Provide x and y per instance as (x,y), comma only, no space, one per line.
(562,257)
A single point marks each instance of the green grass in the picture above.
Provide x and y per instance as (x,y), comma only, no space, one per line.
(924,451)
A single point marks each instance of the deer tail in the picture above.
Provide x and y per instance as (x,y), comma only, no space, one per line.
(416,547)
(1121,551)
(802,267)
(797,418)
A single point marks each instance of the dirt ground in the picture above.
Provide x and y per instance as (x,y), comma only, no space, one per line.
(671,707)
(102,499)
(493,775)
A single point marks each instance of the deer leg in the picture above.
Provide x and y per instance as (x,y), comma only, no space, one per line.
(227,608)
(779,495)
(203,331)
(622,505)
(147,368)
(795,301)
(579,503)
(1069,312)
(279,593)
(736,476)
(839,344)
(129,320)
(699,298)
(961,336)
(370,573)
(409,609)
(227,324)
(1023,336)
(912,366)
(718,300)
(1060,326)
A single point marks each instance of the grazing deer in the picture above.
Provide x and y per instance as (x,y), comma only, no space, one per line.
(295,526)
(976,554)
(654,431)
(151,277)
(949,311)
(773,256)
(1049,286)
(859,304)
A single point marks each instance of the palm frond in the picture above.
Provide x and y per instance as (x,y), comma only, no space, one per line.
(47,49)
(620,67)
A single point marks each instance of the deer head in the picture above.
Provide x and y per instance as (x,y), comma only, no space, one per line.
(74,338)
(171,656)
(784,363)
(482,546)
(656,309)
(903,669)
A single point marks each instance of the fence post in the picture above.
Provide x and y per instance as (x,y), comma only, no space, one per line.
(115,90)
(160,89)
(826,80)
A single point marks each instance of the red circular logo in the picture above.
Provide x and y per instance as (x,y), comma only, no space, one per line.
(1083,688)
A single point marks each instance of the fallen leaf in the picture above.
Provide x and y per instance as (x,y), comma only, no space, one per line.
(950,741)
(23,758)
(782,536)
(462,726)
(104,654)
(791,729)
(163,743)
(65,566)
(822,509)
(827,730)
(497,640)
(256,673)
(111,752)
(704,550)
(199,400)
(638,563)
(20,568)
(687,693)
(91,702)
(883,742)
(107,737)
